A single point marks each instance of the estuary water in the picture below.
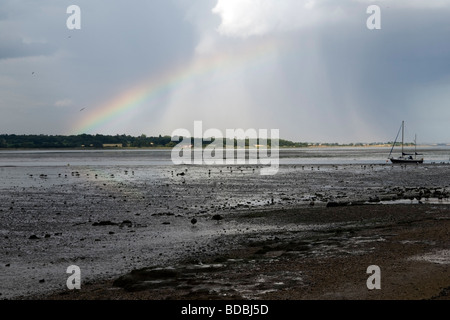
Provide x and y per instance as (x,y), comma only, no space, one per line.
(146,157)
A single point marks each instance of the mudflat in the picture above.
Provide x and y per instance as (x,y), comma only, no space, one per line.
(327,259)
(306,233)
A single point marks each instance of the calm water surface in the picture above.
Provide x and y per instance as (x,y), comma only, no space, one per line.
(136,157)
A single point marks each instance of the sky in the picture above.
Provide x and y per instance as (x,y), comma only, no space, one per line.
(310,68)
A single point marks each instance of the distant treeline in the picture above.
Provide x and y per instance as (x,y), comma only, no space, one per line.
(105,141)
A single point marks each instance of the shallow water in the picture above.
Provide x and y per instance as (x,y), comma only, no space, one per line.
(149,157)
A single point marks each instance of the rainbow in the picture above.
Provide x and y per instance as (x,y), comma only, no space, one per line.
(156,86)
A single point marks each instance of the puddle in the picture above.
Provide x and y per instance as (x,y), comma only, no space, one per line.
(415,201)
(439,257)
(269,282)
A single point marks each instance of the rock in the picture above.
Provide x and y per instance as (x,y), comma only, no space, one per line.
(33,237)
(357,203)
(388,197)
(104,223)
(217,217)
(337,204)
(126,223)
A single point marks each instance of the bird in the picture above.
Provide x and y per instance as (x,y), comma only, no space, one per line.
(193,221)
(82,109)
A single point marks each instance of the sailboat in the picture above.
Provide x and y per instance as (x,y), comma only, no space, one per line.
(405,157)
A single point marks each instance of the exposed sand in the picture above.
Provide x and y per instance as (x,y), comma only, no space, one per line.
(292,247)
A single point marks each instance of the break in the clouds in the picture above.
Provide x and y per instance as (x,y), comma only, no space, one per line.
(244,18)
(309,68)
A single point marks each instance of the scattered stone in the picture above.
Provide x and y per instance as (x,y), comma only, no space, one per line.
(126,223)
(337,204)
(104,223)
(163,214)
(374,199)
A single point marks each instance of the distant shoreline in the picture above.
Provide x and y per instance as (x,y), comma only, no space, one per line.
(169,148)
(93,142)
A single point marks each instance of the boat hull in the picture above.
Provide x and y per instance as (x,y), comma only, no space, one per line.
(406,161)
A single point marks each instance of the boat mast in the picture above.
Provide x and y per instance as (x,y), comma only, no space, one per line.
(403,132)
(415,145)
(395,141)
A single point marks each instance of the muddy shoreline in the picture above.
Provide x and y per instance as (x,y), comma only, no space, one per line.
(408,242)
(306,233)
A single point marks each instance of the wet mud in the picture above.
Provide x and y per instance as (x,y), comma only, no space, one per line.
(305,233)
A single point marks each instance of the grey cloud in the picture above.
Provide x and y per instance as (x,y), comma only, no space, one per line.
(16,48)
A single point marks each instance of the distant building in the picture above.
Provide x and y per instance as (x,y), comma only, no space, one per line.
(112,145)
